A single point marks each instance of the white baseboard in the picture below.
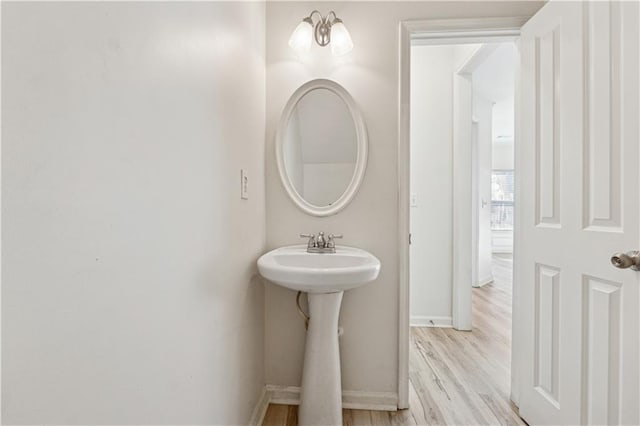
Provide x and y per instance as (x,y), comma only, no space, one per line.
(288,395)
(377,401)
(359,400)
(502,250)
(484,281)
(260,409)
(426,321)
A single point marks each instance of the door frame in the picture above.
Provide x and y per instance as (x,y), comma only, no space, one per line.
(465,189)
(441,31)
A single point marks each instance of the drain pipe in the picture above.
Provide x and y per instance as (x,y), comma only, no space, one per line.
(302,312)
(306,316)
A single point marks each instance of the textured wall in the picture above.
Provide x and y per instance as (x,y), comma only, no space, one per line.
(129,291)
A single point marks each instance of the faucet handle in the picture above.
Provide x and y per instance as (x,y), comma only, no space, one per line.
(330,238)
(312,239)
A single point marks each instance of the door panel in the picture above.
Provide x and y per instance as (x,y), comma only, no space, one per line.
(602,351)
(546,374)
(551,128)
(548,140)
(611,298)
(602,159)
(579,189)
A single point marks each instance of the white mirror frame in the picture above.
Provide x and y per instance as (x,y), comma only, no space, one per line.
(362,146)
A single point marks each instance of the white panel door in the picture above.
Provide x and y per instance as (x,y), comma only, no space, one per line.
(579,189)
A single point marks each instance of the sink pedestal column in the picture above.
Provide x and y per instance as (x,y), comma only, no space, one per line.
(321,394)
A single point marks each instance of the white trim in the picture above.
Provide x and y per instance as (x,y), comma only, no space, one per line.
(375,401)
(464,213)
(502,250)
(404,162)
(423,30)
(287,395)
(475,196)
(465,191)
(260,410)
(475,59)
(426,321)
(361,159)
(465,28)
(459,40)
(356,400)
(516,346)
(484,281)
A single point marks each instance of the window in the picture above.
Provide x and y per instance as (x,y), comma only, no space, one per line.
(502,190)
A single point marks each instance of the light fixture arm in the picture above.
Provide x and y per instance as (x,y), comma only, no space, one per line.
(313,13)
(322,28)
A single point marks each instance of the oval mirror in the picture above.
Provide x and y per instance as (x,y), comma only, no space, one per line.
(321,147)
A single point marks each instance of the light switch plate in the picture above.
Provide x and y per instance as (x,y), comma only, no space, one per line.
(413,202)
(244,185)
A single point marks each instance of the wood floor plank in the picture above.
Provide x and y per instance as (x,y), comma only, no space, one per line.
(276,415)
(381,418)
(423,410)
(459,407)
(408,417)
(430,397)
(347,418)
(292,416)
(484,383)
(457,370)
(403,418)
(505,413)
(456,377)
(362,417)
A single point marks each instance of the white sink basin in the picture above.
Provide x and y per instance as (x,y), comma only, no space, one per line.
(294,268)
(325,277)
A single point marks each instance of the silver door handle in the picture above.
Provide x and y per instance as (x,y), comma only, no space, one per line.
(626,260)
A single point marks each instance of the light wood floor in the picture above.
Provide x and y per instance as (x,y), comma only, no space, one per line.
(457,377)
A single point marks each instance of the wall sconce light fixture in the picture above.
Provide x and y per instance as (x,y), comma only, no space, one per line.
(327,30)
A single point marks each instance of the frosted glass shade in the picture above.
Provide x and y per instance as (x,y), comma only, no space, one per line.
(302,37)
(341,42)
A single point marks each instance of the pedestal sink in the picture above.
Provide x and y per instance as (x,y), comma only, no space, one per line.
(325,277)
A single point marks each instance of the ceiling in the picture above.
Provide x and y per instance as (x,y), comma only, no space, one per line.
(494,80)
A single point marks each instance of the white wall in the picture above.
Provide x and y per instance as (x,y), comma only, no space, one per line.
(495,79)
(431,179)
(369,346)
(504,118)
(503,154)
(129,292)
(432,71)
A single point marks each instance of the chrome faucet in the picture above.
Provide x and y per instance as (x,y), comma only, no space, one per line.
(320,244)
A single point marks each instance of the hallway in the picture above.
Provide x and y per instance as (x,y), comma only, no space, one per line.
(457,377)
(464,377)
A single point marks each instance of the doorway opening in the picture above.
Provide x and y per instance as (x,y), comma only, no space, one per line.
(462,92)
(459,211)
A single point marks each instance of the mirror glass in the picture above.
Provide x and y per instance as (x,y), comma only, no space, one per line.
(322,147)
